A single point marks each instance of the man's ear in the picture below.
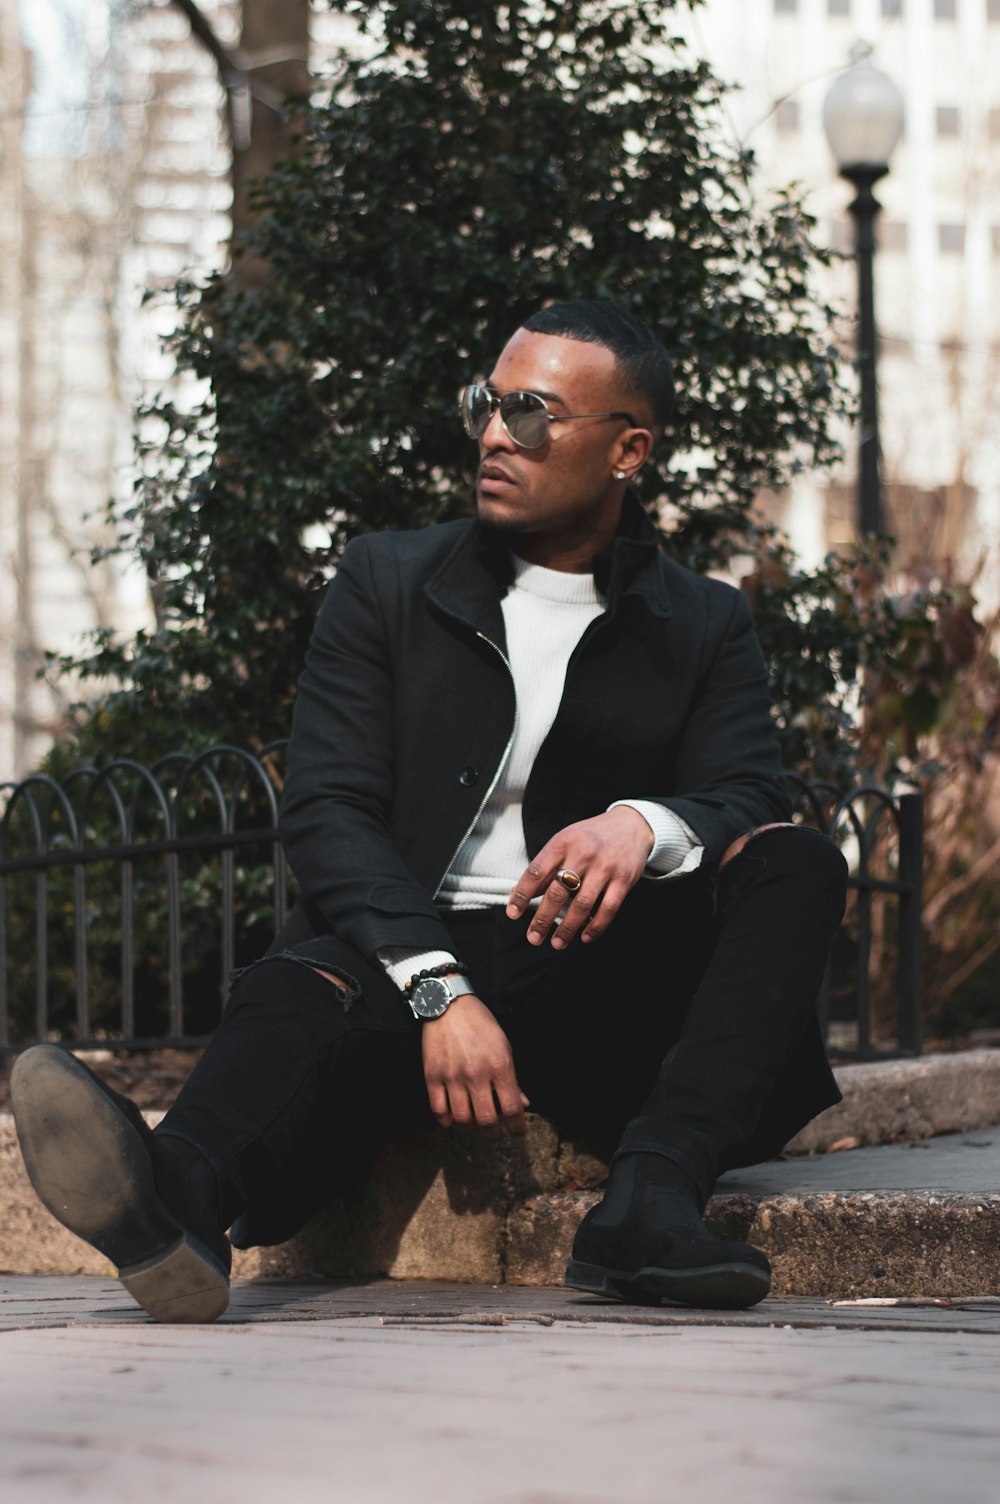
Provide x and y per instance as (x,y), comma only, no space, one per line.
(632,451)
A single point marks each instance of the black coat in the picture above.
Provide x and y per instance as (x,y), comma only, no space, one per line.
(406,707)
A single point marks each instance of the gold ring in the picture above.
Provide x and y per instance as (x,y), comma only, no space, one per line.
(571,881)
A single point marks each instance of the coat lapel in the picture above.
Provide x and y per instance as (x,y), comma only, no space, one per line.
(473,578)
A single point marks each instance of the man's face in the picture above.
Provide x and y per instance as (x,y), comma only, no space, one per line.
(563,493)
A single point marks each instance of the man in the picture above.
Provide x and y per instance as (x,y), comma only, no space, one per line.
(534,805)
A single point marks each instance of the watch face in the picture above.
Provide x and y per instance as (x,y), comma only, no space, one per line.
(430,998)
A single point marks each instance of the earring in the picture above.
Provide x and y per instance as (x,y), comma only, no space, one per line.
(619,475)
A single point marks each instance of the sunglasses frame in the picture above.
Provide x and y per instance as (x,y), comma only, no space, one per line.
(496,404)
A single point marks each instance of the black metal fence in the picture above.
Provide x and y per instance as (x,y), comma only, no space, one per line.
(875,967)
(123,891)
(128,894)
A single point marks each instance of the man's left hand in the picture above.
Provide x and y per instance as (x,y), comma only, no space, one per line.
(608,852)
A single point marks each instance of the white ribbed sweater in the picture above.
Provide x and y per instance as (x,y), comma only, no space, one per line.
(545,612)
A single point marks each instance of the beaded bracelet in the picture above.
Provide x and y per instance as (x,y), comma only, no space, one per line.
(446,969)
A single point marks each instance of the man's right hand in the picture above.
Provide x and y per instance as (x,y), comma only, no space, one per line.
(469,1069)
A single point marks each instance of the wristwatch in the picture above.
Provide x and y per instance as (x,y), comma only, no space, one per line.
(430,997)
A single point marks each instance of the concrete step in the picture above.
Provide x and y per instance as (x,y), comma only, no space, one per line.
(908,1219)
(917,1218)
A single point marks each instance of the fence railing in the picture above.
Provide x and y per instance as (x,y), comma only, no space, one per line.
(129,876)
(129,893)
(882,837)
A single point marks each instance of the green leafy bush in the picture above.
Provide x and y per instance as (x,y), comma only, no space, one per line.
(486,159)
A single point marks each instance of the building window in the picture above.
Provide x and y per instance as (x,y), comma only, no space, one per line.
(948,120)
(993,124)
(944,10)
(892,235)
(951,239)
(995,240)
(891,9)
(993,10)
(787,116)
(785,7)
(838,7)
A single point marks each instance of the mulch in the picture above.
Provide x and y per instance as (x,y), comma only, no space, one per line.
(152,1078)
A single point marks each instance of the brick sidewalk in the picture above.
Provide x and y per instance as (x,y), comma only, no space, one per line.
(418,1393)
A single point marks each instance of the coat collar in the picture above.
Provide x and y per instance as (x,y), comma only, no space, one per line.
(478,571)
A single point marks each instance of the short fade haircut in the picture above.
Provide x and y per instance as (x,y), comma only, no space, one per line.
(642,360)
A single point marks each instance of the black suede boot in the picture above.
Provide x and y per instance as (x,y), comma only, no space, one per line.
(98,1168)
(646,1242)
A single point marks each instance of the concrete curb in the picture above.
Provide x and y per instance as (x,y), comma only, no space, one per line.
(467,1209)
(896,1100)
(839,1245)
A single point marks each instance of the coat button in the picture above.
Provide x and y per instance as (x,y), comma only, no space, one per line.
(468,777)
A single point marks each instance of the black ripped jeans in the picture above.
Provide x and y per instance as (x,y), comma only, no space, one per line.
(687,1030)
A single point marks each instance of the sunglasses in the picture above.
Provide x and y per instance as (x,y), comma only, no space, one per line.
(524,415)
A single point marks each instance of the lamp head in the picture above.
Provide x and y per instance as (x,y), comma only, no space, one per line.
(863,116)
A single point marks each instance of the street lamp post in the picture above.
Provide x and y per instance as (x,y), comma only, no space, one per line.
(863,119)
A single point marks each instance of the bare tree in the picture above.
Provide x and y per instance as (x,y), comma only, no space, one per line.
(269,68)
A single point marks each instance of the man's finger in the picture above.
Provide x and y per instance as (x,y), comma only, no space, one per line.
(461,1107)
(557,896)
(484,1107)
(606,911)
(576,916)
(535,878)
(575,909)
(438,1099)
(512,1102)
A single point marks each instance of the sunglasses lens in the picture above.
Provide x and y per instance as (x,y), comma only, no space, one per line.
(526,418)
(476,410)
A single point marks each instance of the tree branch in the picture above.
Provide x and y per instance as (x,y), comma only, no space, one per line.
(944,895)
(979,958)
(228,63)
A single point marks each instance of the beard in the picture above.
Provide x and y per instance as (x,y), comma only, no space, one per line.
(504,528)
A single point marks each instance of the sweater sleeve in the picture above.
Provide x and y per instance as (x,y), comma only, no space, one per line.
(401,963)
(676,849)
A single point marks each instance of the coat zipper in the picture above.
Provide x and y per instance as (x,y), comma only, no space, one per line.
(500,766)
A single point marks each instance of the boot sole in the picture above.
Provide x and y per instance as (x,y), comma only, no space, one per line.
(732,1286)
(91,1169)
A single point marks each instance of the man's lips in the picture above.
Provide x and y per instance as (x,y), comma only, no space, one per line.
(493,477)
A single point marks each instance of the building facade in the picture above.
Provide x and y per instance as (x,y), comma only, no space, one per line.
(938,262)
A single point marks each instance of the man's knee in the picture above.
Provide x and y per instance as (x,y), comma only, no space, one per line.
(737,846)
(285,987)
(800,852)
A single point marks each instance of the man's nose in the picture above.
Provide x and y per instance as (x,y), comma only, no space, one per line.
(494,436)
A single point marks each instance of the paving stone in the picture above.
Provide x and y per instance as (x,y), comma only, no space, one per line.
(337,1396)
(85,1300)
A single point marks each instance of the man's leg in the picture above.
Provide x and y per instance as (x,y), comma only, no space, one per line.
(245,1139)
(780,898)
